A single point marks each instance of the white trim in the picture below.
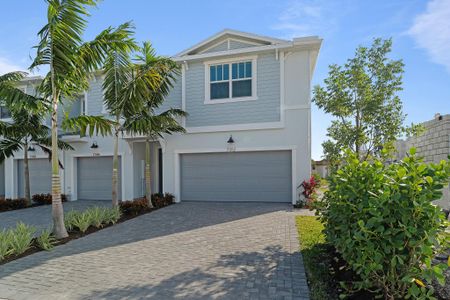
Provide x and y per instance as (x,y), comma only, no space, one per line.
(229,40)
(236,127)
(297,107)
(282,85)
(74,182)
(183,93)
(177,165)
(215,45)
(306,45)
(85,113)
(230,61)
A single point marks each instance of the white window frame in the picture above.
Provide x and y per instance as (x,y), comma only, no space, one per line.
(230,61)
(84,102)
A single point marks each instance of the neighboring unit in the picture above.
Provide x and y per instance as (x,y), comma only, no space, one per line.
(433,145)
(248,129)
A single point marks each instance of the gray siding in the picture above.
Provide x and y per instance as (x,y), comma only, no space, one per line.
(95,97)
(94,179)
(220,47)
(264,176)
(265,109)
(2,179)
(173,100)
(238,44)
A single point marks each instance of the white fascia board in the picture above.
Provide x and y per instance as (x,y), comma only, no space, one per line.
(306,44)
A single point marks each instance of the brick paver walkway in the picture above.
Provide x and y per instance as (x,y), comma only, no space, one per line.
(185,251)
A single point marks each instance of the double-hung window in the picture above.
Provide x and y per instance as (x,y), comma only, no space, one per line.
(231,81)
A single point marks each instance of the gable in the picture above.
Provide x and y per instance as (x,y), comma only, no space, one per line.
(229,40)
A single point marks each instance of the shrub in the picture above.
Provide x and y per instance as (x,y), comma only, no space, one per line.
(112,215)
(11,204)
(381,220)
(69,219)
(162,200)
(43,199)
(5,244)
(46,240)
(82,221)
(134,207)
(97,216)
(308,194)
(21,238)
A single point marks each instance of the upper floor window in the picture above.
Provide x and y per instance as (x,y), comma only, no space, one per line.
(231,81)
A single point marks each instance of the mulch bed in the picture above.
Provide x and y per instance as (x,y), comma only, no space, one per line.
(341,273)
(73,235)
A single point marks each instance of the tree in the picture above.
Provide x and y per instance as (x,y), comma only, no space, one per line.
(362,97)
(71,63)
(26,130)
(129,89)
(147,122)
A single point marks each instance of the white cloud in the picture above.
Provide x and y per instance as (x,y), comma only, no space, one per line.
(309,17)
(7,66)
(431,31)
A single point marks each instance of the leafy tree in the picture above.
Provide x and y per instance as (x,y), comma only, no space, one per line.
(362,97)
(71,63)
(147,122)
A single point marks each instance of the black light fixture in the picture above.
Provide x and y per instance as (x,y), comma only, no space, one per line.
(230,144)
(31,148)
(94,145)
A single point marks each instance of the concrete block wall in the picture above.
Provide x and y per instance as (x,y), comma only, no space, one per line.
(433,145)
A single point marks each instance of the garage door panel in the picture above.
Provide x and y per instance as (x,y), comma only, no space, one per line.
(40,176)
(238,176)
(94,178)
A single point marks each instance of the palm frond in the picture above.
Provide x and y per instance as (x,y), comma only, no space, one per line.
(8,147)
(48,151)
(47,142)
(89,125)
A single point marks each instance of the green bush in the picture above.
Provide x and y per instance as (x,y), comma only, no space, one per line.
(97,216)
(46,240)
(21,238)
(381,219)
(82,221)
(112,215)
(69,219)
(5,244)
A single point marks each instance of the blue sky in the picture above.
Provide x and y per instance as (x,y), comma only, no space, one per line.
(420,31)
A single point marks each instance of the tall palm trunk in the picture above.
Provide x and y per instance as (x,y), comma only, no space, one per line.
(59,229)
(148,184)
(115,174)
(26,171)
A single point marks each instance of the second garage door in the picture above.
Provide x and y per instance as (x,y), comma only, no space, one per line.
(40,176)
(264,176)
(94,179)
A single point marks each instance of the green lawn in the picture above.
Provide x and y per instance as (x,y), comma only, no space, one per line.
(315,257)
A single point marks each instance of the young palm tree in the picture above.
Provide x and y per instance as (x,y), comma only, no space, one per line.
(71,63)
(128,86)
(146,121)
(24,130)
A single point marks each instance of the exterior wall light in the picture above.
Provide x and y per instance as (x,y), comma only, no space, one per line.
(94,145)
(231,147)
(31,148)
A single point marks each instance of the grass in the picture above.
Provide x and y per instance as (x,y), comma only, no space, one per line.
(316,257)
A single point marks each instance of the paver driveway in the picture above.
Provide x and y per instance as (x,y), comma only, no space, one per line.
(185,251)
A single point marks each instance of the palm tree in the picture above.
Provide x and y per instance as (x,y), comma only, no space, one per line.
(146,121)
(71,63)
(25,130)
(129,85)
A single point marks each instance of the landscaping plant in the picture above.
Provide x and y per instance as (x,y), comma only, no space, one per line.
(12,204)
(382,221)
(5,243)
(82,221)
(21,238)
(46,240)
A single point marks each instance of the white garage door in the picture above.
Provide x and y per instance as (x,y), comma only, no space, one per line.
(263,176)
(94,179)
(40,176)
